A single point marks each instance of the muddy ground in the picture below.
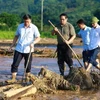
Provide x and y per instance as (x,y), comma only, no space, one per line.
(51,64)
(66,95)
(45,48)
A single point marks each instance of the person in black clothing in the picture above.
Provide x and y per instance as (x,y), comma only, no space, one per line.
(64,53)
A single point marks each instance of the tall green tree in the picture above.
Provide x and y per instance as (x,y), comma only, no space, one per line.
(10,20)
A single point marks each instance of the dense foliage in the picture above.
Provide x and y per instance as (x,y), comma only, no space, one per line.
(11,11)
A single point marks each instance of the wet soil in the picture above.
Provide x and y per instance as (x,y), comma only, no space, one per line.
(43,41)
(67,95)
(51,64)
(45,48)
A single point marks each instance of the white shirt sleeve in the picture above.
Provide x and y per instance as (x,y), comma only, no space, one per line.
(36,32)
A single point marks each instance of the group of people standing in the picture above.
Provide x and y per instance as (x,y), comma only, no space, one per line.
(27,35)
(91,42)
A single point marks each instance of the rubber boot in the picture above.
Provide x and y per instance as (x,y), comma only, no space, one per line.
(27,79)
(70,69)
(61,68)
(13,79)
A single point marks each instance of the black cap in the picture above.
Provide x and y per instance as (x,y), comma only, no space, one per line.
(26,16)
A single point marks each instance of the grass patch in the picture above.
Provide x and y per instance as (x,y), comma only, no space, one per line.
(47,35)
(7,34)
(10,35)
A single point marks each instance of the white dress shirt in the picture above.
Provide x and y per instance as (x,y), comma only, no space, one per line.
(26,37)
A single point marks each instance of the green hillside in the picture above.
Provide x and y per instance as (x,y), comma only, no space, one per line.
(52,8)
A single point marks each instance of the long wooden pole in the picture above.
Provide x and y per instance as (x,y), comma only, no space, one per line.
(67,44)
(23,77)
(14,94)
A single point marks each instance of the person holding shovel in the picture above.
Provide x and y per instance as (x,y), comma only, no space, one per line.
(84,33)
(94,46)
(27,35)
(64,53)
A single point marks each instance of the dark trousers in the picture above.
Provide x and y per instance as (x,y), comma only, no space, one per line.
(93,56)
(64,54)
(17,59)
(86,56)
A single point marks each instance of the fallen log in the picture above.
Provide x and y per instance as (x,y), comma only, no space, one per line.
(14,94)
(41,84)
(7,87)
(56,81)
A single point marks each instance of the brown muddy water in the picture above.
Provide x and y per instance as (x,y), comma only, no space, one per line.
(37,64)
(51,64)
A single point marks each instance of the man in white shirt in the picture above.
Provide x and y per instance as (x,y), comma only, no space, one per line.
(94,45)
(84,33)
(27,35)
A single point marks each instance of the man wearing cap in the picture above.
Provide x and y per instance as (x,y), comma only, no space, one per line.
(84,33)
(27,35)
(94,45)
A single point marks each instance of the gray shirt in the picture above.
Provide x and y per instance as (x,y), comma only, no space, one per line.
(67,32)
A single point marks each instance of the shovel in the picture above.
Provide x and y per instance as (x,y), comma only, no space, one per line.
(23,77)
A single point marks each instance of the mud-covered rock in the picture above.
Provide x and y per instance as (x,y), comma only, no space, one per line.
(42,84)
(86,78)
(74,76)
(57,81)
(79,76)
(95,78)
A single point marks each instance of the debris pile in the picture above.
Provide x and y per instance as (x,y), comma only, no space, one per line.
(39,52)
(49,82)
(86,80)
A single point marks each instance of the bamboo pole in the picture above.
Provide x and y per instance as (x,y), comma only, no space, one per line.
(67,44)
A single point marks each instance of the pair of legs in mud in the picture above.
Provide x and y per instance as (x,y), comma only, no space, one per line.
(64,54)
(16,61)
(86,58)
(94,58)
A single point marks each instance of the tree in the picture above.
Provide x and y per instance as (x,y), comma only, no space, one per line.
(10,20)
(97,13)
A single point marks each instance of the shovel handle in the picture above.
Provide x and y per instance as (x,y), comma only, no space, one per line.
(51,23)
(67,44)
